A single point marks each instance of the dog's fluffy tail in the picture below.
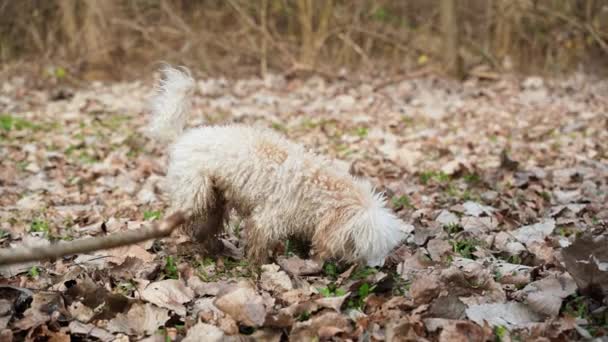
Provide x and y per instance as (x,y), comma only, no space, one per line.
(171,105)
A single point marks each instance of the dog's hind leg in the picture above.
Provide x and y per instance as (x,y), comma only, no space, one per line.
(258,242)
(198,195)
(210,220)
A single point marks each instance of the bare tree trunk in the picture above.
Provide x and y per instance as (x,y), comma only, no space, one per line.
(68,23)
(450,36)
(312,39)
(264,45)
(305,16)
(502,33)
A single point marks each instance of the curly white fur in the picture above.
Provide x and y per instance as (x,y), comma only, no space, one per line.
(277,186)
(171,105)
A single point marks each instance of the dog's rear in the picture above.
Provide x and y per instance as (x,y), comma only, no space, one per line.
(190,190)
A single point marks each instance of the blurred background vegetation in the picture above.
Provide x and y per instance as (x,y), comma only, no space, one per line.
(113,39)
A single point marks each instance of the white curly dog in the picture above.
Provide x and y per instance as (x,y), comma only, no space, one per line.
(280,189)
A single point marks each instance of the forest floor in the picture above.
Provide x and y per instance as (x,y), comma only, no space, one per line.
(503,185)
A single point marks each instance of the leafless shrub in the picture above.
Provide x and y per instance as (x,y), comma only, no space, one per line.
(109,37)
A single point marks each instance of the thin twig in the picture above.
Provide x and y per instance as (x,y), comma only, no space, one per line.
(389,39)
(425,71)
(603,45)
(26,254)
(358,49)
(264,45)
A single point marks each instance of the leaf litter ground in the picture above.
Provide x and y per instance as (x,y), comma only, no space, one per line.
(503,186)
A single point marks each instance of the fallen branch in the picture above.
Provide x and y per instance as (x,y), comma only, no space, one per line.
(425,71)
(26,254)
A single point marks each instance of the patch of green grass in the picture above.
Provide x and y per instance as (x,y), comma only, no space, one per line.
(68,151)
(364,273)
(207,261)
(577,307)
(437,176)
(115,121)
(514,259)
(463,195)
(34,272)
(202,270)
(236,229)
(288,248)
(546,196)
(380,14)
(467,195)
(134,143)
(401,286)
(56,72)
(125,288)
(60,73)
(472,178)
(304,316)
(230,263)
(86,158)
(279,127)
(171,271)
(308,124)
(407,120)
(566,231)
(3,234)
(22,165)
(330,269)
(402,201)
(152,215)
(9,123)
(344,150)
(452,228)
(332,291)
(362,132)
(465,247)
(358,301)
(66,237)
(39,226)
(237,268)
(580,307)
(501,333)
(83,156)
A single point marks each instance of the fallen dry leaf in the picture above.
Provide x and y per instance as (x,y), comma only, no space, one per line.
(171,294)
(43,306)
(323,327)
(204,332)
(545,296)
(534,233)
(300,267)
(587,261)
(274,280)
(90,330)
(510,315)
(140,319)
(425,288)
(464,331)
(242,303)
